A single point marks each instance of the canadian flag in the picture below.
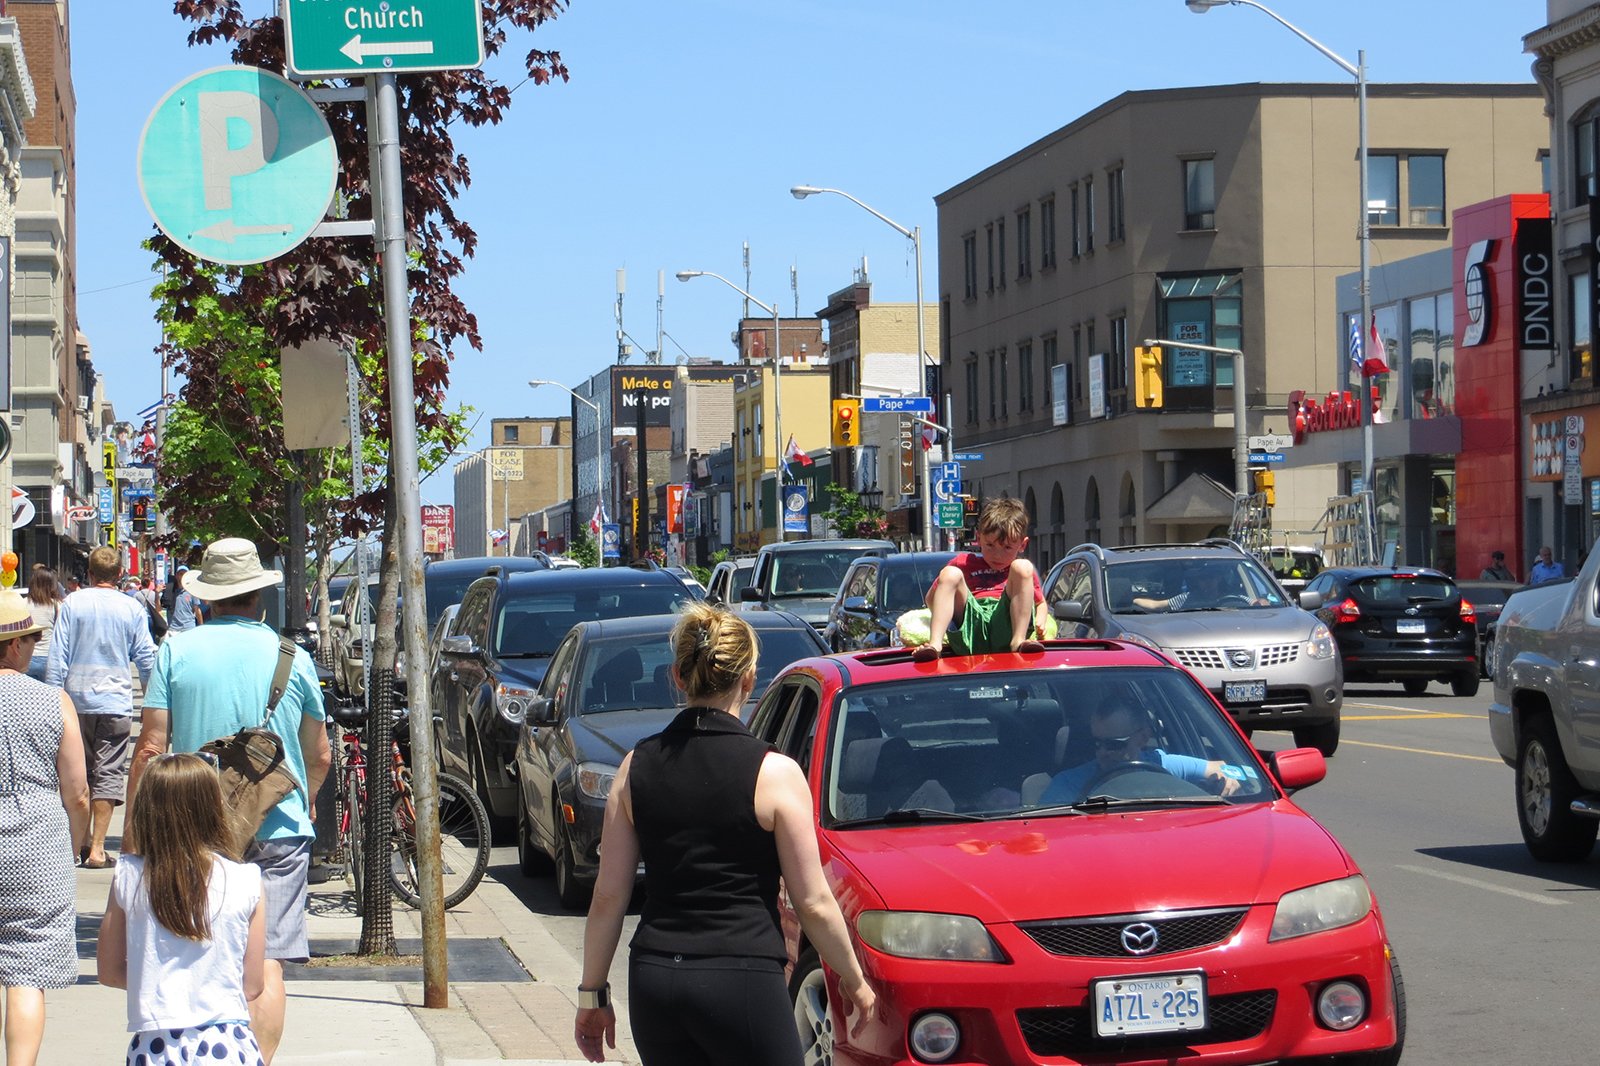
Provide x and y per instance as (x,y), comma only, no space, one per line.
(793,454)
(597,521)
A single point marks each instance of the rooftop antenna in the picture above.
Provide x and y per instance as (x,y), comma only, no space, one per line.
(794,287)
(746,278)
(624,349)
(661,295)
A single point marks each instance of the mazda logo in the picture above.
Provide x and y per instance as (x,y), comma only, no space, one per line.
(1241,658)
(1140,938)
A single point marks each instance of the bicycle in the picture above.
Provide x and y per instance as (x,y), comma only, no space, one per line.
(463,822)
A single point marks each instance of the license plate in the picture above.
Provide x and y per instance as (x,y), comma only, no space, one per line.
(1244,691)
(1170,1003)
(1410,625)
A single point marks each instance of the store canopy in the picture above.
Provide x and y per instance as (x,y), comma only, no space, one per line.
(1195,499)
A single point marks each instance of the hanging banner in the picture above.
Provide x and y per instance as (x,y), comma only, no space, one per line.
(674,509)
(1535,279)
(611,541)
(796,509)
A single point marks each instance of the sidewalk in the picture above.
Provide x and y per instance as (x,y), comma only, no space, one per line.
(512,990)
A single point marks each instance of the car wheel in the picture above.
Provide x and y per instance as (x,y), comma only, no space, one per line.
(813,1019)
(531,862)
(1388,1056)
(1324,737)
(1465,684)
(1545,791)
(1415,686)
(573,893)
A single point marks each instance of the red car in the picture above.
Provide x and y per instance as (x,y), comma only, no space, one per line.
(1073,857)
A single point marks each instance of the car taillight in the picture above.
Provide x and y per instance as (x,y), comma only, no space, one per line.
(1468,615)
(1346,612)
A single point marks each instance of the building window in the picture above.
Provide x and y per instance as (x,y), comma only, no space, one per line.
(972,388)
(1420,174)
(1077,366)
(757,431)
(1543,156)
(1117,223)
(1077,228)
(1050,357)
(1024,376)
(1024,239)
(1047,233)
(1580,327)
(1091,513)
(969,262)
(988,233)
(1005,384)
(993,390)
(741,431)
(1000,245)
(510,434)
(1117,367)
(1088,216)
(1585,134)
(1432,356)
(1199,194)
(1204,308)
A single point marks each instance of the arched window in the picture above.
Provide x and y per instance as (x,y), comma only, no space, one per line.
(1091,513)
(1040,553)
(1127,514)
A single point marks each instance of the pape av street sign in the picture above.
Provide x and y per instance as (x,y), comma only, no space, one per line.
(354,37)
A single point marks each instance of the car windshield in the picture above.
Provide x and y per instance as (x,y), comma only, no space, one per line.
(636,672)
(1295,563)
(442,591)
(811,573)
(1174,585)
(530,627)
(1402,590)
(905,588)
(739,580)
(1006,745)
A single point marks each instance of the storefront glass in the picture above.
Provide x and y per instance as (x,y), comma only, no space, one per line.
(1388,328)
(1431,363)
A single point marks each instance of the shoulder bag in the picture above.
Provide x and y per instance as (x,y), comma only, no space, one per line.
(252,764)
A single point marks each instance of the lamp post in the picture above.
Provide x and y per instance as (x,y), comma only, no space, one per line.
(777,388)
(1241,441)
(1358,71)
(599,445)
(914,234)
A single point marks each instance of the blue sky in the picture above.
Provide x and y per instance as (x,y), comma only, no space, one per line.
(686,123)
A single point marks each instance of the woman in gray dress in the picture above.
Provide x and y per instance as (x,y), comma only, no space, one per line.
(44,819)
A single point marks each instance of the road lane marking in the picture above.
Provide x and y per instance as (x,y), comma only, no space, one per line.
(1418,751)
(1473,882)
(1409,716)
(1419,712)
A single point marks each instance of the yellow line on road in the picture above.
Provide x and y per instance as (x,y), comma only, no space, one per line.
(1417,751)
(1409,716)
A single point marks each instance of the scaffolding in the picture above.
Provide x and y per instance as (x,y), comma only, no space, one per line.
(1348,531)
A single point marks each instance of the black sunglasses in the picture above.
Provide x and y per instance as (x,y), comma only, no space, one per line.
(1113,743)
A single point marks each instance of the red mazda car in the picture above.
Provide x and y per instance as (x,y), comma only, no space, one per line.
(1073,857)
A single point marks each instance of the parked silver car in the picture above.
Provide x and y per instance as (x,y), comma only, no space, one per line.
(1215,609)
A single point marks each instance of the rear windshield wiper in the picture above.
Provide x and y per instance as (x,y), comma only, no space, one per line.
(910,815)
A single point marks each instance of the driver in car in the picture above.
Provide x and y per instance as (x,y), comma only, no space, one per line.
(1122,737)
(1207,586)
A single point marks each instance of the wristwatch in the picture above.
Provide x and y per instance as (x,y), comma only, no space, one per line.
(594,998)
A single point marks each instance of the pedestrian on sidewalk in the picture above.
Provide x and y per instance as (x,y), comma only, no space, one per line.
(718,816)
(44,818)
(213,681)
(185,927)
(99,631)
(44,601)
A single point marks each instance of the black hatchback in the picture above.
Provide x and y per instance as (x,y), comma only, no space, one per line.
(1407,624)
(875,592)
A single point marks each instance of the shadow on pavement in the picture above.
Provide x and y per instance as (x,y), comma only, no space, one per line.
(1514,859)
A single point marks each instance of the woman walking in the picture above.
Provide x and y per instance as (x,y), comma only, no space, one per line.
(717,816)
(44,818)
(185,930)
(44,601)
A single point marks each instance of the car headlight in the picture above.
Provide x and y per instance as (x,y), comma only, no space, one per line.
(1321,907)
(595,778)
(1138,638)
(1320,644)
(917,935)
(512,702)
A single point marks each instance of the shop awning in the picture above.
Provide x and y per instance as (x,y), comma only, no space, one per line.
(1196,498)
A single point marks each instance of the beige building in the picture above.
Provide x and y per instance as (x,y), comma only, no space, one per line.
(526,468)
(756,449)
(1219,215)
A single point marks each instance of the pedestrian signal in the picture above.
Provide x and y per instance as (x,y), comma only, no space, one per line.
(139,513)
(846,423)
(1147,377)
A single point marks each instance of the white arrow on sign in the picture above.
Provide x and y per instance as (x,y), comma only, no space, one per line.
(359,52)
(228,231)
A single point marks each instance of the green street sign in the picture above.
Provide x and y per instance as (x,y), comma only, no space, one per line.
(237,165)
(950,515)
(327,38)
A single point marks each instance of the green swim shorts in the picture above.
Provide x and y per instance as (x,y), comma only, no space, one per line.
(985,627)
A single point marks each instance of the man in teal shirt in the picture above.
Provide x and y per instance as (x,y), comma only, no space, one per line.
(214,680)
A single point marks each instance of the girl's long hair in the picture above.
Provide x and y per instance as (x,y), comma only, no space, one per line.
(42,586)
(180,827)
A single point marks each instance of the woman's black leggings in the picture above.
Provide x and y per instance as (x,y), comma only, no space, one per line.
(697,1010)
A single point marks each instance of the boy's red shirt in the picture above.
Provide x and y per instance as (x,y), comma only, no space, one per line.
(984,582)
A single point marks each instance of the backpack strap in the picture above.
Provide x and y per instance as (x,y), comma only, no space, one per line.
(280,677)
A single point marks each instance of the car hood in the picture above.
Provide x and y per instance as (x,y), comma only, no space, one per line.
(813,609)
(1187,628)
(523,673)
(1052,867)
(609,735)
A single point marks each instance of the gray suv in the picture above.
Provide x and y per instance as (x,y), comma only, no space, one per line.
(803,576)
(1215,609)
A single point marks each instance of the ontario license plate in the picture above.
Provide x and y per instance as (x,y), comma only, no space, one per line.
(1410,625)
(1170,1003)
(1244,691)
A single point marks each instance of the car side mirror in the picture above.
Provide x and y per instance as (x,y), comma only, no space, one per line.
(1310,601)
(338,621)
(1298,768)
(751,594)
(458,646)
(1068,611)
(541,711)
(855,605)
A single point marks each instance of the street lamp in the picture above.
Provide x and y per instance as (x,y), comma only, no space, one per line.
(1358,70)
(914,234)
(599,446)
(1241,451)
(777,384)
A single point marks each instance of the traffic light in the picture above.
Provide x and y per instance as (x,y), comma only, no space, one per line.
(1147,376)
(846,423)
(139,512)
(1267,486)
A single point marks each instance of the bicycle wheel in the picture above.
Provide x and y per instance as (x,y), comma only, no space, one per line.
(354,841)
(463,843)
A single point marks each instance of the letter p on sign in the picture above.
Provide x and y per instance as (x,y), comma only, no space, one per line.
(238,135)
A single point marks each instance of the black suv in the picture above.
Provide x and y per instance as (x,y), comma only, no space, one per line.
(1405,624)
(497,651)
(877,590)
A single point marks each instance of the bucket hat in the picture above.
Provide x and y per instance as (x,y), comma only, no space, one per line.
(231,567)
(16,620)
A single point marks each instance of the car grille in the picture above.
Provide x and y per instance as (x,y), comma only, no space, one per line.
(1217,658)
(1069,1030)
(1101,938)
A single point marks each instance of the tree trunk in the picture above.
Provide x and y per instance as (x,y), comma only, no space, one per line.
(377,910)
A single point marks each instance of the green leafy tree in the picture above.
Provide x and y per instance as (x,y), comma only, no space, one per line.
(853,518)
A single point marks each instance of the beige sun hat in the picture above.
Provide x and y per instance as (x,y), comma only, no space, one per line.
(16,620)
(231,567)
